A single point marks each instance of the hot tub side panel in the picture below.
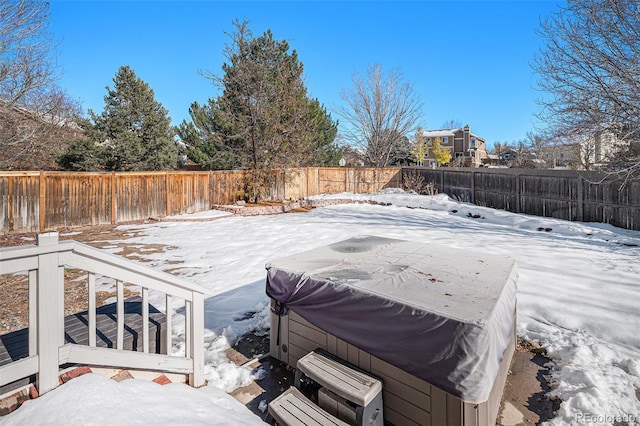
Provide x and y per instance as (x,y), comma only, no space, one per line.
(408,400)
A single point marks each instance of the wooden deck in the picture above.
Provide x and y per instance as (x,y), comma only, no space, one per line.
(14,345)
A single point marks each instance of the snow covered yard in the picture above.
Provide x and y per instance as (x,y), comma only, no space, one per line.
(578,296)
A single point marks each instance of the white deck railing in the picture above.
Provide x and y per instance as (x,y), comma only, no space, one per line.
(45,264)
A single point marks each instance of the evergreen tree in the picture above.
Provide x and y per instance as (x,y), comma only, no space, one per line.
(323,130)
(133,132)
(264,119)
(203,138)
(81,154)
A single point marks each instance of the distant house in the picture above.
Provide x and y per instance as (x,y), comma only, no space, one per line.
(563,156)
(492,160)
(521,157)
(467,149)
(602,146)
(508,155)
(593,149)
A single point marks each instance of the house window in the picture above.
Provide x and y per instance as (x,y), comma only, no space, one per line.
(445,140)
(472,143)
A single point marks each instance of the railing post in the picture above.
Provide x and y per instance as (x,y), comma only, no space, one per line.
(42,201)
(50,309)
(196,379)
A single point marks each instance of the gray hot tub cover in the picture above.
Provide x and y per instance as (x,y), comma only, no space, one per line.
(443,315)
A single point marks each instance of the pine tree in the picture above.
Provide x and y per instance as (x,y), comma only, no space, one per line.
(323,132)
(81,154)
(203,138)
(264,119)
(134,130)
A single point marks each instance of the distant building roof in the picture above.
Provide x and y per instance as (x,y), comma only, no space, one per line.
(447,132)
(439,133)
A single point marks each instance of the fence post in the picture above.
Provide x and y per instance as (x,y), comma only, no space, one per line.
(284,184)
(580,201)
(113,197)
(346,179)
(50,310)
(517,189)
(166,194)
(11,204)
(473,187)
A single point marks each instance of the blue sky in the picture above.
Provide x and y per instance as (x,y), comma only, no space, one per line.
(468,60)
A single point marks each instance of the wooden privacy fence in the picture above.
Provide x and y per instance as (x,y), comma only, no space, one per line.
(41,201)
(563,194)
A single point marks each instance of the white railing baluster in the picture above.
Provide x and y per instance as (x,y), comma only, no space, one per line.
(60,288)
(120,315)
(188,338)
(91,310)
(168,337)
(33,312)
(145,320)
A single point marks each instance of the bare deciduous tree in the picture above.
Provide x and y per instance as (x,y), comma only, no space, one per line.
(589,65)
(35,112)
(452,124)
(381,111)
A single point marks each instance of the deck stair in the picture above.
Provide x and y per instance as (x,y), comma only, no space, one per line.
(345,395)
(129,335)
(15,345)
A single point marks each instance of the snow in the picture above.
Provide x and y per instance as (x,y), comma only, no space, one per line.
(206,214)
(439,133)
(577,295)
(93,399)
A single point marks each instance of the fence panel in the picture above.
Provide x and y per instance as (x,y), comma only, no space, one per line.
(227,187)
(390,177)
(296,182)
(140,195)
(188,192)
(313,181)
(550,196)
(458,184)
(332,180)
(498,191)
(611,202)
(20,196)
(78,199)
